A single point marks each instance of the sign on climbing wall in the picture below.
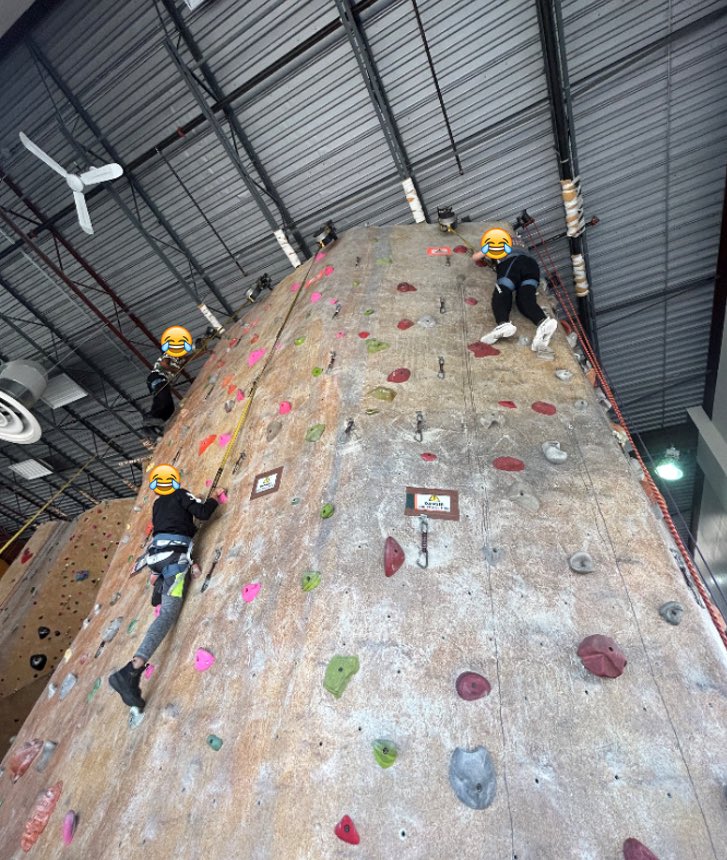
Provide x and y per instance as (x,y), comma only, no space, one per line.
(438,504)
(439,252)
(266,483)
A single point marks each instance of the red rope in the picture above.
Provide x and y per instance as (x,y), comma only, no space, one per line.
(574,320)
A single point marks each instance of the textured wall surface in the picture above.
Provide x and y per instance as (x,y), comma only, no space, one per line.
(581,763)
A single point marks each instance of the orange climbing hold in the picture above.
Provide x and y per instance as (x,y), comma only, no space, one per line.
(205,443)
(42,811)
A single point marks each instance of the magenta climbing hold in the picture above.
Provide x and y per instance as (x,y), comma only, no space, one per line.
(460,249)
(393,556)
(223,439)
(149,671)
(203,659)
(285,407)
(293,289)
(70,822)
(340,334)
(315,297)
(320,255)
(240,395)
(255,356)
(363,335)
(429,457)
(224,498)
(543,408)
(251,591)
(404,324)
(480,350)
(508,404)
(602,656)
(635,850)
(328,271)
(470,301)
(471,686)
(508,464)
(346,831)
(403,287)
(401,374)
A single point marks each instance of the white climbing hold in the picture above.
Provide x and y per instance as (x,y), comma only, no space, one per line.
(51,690)
(572,339)
(522,494)
(552,452)
(426,321)
(523,340)
(135,717)
(581,562)
(69,682)
(564,375)
(545,353)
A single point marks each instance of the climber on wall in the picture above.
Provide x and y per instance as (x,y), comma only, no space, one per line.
(517,272)
(169,559)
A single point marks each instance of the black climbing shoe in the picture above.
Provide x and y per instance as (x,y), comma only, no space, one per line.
(126,684)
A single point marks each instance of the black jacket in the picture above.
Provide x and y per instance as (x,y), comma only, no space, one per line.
(175,513)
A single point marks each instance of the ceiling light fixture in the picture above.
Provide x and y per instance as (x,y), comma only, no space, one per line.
(669,469)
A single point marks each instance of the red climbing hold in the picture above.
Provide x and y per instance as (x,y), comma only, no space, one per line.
(602,656)
(430,458)
(205,443)
(404,324)
(346,831)
(460,249)
(470,301)
(508,464)
(543,408)
(480,263)
(393,556)
(635,850)
(471,686)
(26,556)
(149,528)
(403,287)
(23,757)
(38,820)
(508,404)
(363,335)
(480,349)
(401,374)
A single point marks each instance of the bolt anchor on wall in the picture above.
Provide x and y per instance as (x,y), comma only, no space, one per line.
(441,367)
(418,434)
(423,559)
(238,463)
(442,309)
(330,361)
(337,311)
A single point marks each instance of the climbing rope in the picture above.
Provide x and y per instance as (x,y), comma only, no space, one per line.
(568,308)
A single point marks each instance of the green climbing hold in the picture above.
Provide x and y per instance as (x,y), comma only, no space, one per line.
(381,392)
(299,341)
(373,411)
(369,312)
(327,511)
(214,742)
(315,432)
(96,687)
(132,625)
(339,672)
(311,579)
(384,261)
(317,371)
(357,283)
(374,345)
(385,752)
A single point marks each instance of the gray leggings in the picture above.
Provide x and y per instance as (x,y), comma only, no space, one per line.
(160,626)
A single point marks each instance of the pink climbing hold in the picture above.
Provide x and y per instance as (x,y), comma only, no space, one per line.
(401,374)
(430,458)
(635,850)
(203,660)
(363,335)
(480,350)
(70,822)
(602,656)
(403,287)
(240,395)
(471,686)
(251,591)
(404,324)
(315,297)
(255,356)
(208,482)
(234,341)
(224,498)
(340,334)
(149,671)
(293,289)
(309,283)
(508,404)
(470,301)
(320,255)
(328,271)
(223,439)
(543,408)
(285,407)
(318,276)
(508,464)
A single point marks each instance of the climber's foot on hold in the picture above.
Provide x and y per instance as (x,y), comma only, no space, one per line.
(126,684)
(506,329)
(543,334)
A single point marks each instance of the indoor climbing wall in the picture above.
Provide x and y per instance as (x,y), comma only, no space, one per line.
(44,597)
(429,623)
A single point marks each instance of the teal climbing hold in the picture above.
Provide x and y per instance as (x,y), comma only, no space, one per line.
(381,392)
(375,345)
(327,511)
(385,752)
(339,672)
(214,742)
(299,341)
(368,312)
(132,626)
(311,579)
(317,371)
(315,432)
(96,687)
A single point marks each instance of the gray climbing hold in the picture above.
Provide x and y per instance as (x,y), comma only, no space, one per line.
(274,427)
(552,452)
(581,405)
(51,690)
(523,340)
(672,612)
(572,339)
(135,717)
(581,562)
(426,321)
(545,353)
(521,493)
(113,628)
(115,599)
(564,375)
(49,747)
(491,554)
(472,777)
(69,682)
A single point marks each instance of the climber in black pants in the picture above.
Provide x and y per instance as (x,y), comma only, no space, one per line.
(518,273)
(159,382)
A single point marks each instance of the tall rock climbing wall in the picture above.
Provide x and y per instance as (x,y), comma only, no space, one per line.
(44,596)
(389,659)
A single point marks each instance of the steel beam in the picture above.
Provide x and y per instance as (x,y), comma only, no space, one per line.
(36,501)
(52,482)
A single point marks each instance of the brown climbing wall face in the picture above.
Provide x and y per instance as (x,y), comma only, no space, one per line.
(305,699)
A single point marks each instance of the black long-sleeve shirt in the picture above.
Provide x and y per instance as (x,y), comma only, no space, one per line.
(175,513)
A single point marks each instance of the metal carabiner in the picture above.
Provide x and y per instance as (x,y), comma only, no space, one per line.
(441,367)
(423,559)
(420,423)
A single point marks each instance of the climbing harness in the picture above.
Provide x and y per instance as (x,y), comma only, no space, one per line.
(441,368)
(418,435)
(423,559)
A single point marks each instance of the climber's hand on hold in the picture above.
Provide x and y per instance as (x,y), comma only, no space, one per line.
(220,495)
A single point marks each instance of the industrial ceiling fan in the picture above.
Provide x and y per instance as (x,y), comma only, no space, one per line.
(77,182)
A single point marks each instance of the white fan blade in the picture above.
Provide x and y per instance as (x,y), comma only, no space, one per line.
(84,219)
(37,151)
(101,174)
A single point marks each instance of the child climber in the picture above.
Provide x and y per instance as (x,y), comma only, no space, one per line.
(169,557)
(517,272)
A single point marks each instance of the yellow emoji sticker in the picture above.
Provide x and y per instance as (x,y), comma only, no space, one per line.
(176,341)
(164,479)
(496,243)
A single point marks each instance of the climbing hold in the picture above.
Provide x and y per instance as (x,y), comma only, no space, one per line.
(401,374)
(672,612)
(206,442)
(602,656)
(552,452)
(223,498)
(508,464)
(491,554)
(214,742)
(403,287)
(340,334)
(404,324)
(112,629)
(508,404)
(383,393)
(426,321)
(49,747)
(581,562)
(254,339)
(430,458)
(26,556)
(149,671)
(564,375)
(635,850)
(80,575)
(320,255)
(460,249)
(223,439)
(92,692)
(472,777)
(327,511)
(136,717)
(203,659)
(132,626)
(69,682)
(70,822)
(23,757)
(299,341)
(376,345)
(523,340)
(315,432)
(255,356)
(317,371)
(363,334)
(346,829)
(385,752)
(480,350)
(311,579)
(51,690)
(471,686)
(315,297)
(393,556)
(228,405)
(521,493)
(285,407)
(339,672)
(581,405)
(370,411)
(43,632)
(328,271)
(470,301)
(273,428)
(368,312)
(240,395)
(543,408)
(251,591)
(38,820)
(38,661)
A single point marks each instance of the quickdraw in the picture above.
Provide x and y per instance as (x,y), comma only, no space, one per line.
(423,559)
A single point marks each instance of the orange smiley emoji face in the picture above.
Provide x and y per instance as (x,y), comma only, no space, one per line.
(164,479)
(176,341)
(496,243)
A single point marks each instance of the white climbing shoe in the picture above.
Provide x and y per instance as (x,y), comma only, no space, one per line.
(503,330)
(543,334)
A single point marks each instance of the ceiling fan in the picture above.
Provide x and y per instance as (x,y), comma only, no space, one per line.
(77,182)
